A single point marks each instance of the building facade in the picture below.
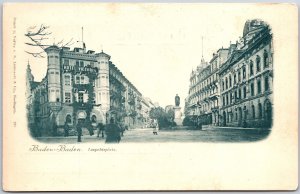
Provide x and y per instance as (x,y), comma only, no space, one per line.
(235,87)
(80,83)
(203,100)
(247,79)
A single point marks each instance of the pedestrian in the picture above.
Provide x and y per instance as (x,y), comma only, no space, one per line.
(155,129)
(66,129)
(112,131)
(122,128)
(100,129)
(79,129)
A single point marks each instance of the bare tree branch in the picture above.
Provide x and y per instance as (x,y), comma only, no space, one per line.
(37,36)
(38,55)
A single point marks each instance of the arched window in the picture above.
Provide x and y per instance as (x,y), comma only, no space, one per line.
(266,59)
(68,119)
(94,119)
(258,86)
(244,72)
(251,68)
(253,111)
(222,85)
(258,63)
(245,92)
(227,101)
(259,110)
(234,79)
(267,83)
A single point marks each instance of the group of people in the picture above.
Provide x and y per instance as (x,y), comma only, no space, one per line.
(113,131)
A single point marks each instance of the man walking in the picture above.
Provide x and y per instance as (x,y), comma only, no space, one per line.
(101,128)
(112,132)
(79,129)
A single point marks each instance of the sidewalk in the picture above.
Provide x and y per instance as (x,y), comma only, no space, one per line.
(220,127)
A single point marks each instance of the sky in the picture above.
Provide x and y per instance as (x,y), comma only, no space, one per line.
(155,46)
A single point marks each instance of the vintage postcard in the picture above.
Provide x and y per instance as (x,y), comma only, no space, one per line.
(150,96)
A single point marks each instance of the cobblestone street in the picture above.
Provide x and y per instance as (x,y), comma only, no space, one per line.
(146,136)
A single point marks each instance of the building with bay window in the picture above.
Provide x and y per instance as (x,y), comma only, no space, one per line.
(80,83)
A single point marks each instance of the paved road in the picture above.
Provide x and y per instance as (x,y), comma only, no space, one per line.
(205,135)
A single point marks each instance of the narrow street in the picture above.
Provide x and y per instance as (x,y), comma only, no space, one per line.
(146,136)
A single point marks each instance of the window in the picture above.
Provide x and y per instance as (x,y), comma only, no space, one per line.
(253,111)
(82,79)
(80,97)
(239,76)
(57,73)
(266,59)
(66,61)
(77,80)
(245,92)
(77,63)
(259,111)
(257,63)
(94,119)
(234,79)
(230,81)
(252,89)
(235,95)
(227,102)
(92,64)
(94,99)
(222,85)
(258,86)
(266,83)
(251,68)
(224,101)
(81,64)
(68,97)
(226,81)
(240,93)
(244,72)
(67,80)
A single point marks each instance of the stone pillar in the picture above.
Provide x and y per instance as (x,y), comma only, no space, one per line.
(177,115)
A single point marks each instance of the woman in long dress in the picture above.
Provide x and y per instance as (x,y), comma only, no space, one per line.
(155,129)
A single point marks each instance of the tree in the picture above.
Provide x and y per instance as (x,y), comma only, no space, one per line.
(161,116)
(38,40)
(156,113)
(170,115)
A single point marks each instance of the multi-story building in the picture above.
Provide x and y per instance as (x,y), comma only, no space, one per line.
(247,78)
(204,91)
(235,88)
(80,83)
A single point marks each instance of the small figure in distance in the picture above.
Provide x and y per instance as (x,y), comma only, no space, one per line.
(156,128)
(79,129)
(101,128)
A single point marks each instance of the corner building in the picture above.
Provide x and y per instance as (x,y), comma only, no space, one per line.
(80,83)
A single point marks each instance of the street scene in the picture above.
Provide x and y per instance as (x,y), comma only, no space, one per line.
(208,134)
(85,97)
